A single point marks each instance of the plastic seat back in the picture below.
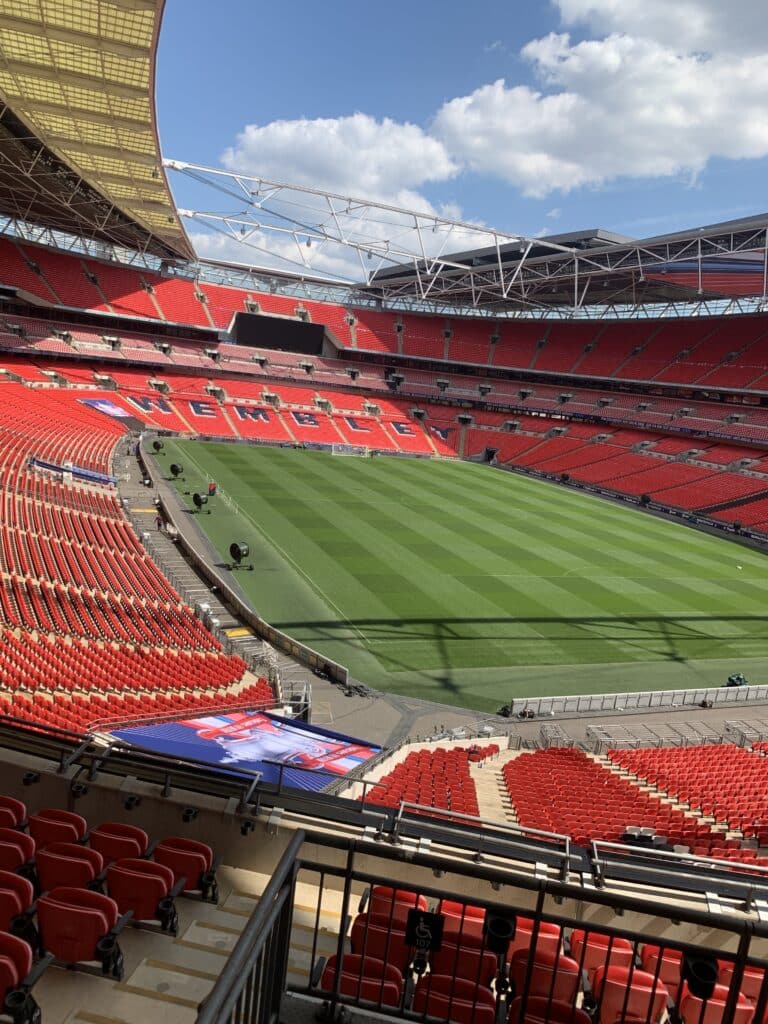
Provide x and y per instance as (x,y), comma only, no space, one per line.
(12,812)
(15,965)
(73,921)
(52,825)
(627,995)
(751,980)
(467,931)
(461,910)
(139,886)
(364,978)
(693,1010)
(540,1010)
(667,962)
(115,841)
(464,1008)
(471,963)
(371,936)
(593,950)
(548,937)
(186,858)
(67,864)
(16,896)
(9,976)
(18,952)
(554,975)
(16,849)
(394,904)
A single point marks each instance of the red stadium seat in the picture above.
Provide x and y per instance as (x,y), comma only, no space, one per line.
(17,977)
(696,1011)
(68,864)
(394,904)
(13,813)
(454,999)
(191,861)
(461,910)
(115,841)
(751,980)
(17,852)
(52,825)
(548,938)
(625,995)
(371,936)
(667,963)
(79,926)
(540,1010)
(593,950)
(554,975)
(146,889)
(364,977)
(471,962)
(17,907)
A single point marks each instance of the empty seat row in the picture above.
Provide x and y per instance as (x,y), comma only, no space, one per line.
(537,966)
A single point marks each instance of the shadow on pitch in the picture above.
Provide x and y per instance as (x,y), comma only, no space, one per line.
(674,640)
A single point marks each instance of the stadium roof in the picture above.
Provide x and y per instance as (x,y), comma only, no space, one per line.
(420,258)
(597,267)
(79,150)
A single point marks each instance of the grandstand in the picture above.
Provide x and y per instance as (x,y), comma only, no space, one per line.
(591,857)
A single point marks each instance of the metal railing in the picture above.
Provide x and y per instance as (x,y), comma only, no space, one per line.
(250,988)
(642,700)
(623,957)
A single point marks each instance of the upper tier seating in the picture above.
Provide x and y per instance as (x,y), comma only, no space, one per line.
(709,351)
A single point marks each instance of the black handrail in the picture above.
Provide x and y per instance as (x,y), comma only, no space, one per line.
(234,986)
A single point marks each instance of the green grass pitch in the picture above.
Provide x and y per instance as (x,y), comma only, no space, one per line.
(462,584)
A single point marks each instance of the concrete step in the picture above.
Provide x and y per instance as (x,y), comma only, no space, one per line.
(165,977)
(492,797)
(76,998)
(169,984)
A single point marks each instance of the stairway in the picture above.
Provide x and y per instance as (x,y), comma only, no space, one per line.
(492,796)
(166,978)
(760,496)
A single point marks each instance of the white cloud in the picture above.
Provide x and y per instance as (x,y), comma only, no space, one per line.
(277,252)
(355,155)
(608,108)
(738,26)
(381,161)
(652,90)
(554,213)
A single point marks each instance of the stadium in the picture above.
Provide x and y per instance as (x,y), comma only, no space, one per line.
(382,616)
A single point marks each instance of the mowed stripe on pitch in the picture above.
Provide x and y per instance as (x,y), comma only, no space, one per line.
(431,564)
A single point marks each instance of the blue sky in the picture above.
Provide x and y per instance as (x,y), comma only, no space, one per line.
(532,117)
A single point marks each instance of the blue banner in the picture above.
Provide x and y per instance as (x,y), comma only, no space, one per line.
(257,742)
(108,407)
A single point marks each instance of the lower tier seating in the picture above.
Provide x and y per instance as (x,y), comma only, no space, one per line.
(433,778)
(565,791)
(723,782)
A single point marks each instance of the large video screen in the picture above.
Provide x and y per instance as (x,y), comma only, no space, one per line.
(258,742)
(278,333)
